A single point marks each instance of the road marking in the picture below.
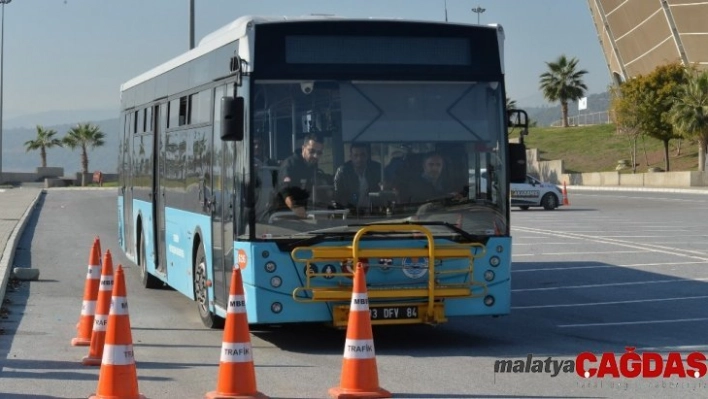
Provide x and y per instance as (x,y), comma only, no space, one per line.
(603,266)
(633,323)
(570,305)
(652,248)
(581,253)
(572,287)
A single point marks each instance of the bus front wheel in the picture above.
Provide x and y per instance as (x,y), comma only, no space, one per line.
(147,279)
(201,291)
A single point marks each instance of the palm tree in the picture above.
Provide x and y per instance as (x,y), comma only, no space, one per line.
(689,112)
(84,135)
(45,139)
(563,83)
(510,104)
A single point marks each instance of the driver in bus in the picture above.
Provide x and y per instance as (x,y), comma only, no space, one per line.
(298,175)
(431,184)
(355,179)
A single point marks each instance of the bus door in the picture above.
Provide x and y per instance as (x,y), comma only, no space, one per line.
(129,245)
(221,203)
(159,122)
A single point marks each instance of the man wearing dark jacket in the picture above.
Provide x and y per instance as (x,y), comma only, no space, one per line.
(297,176)
(358,177)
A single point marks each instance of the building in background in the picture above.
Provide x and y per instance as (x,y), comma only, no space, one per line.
(639,35)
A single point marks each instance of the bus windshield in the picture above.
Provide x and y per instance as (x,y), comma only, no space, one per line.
(331,154)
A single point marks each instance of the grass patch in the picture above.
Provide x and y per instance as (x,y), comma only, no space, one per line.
(598,148)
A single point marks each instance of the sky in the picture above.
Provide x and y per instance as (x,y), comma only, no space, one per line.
(74,54)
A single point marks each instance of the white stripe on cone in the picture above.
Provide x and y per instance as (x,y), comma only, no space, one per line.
(360,302)
(359,349)
(88,308)
(119,306)
(118,355)
(236,352)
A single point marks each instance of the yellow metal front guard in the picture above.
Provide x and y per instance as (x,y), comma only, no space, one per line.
(433,314)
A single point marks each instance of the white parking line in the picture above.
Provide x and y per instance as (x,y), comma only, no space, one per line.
(648,248)
(570,305)
(572,287)
(580,253)
(632,323)
(606,266)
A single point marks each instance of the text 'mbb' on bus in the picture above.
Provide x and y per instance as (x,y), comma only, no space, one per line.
(296,148)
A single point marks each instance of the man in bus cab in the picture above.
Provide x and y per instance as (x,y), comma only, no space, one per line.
(356,178)
(298,175)
(431,184)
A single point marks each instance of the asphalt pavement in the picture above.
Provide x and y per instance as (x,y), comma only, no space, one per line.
(16,205)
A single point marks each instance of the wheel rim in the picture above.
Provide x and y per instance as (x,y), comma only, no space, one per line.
(200,291)
(551,201)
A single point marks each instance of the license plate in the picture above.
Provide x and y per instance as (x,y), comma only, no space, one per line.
(393,312)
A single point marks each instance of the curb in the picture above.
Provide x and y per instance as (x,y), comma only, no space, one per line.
(8,255)
(640,189)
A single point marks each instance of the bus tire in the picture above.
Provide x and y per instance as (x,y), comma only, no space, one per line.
(146,279)
(201,291)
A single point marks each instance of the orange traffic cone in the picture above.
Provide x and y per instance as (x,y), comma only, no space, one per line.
(359,377)
(237,375)
(88,307)
(118,378)
(565,195)
(100,320)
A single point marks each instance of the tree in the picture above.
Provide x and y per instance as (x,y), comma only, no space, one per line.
(625,113)
(510,104)
(689,112)
(657,89)
(563,83)
(45,139)
(84,136)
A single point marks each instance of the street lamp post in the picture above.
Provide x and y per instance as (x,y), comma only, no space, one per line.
(191,24)
(478,10)
(2,59)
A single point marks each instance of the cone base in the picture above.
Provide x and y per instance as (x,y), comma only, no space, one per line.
(221,395)
(343,393)
(81,342)
(140,396)
(91,361)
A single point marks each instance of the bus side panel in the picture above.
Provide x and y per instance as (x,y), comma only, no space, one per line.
(181,227)
(499,287)
(260,295)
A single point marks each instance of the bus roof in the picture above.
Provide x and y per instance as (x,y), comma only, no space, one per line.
(236,30)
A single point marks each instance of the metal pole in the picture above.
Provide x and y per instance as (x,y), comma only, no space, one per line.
(191,24)
(478,10)
(2,59)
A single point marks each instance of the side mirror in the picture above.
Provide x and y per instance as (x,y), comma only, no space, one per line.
(232,117)
(517,163)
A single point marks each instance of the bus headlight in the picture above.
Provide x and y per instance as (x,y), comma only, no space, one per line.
(494,261)
(489,300)
(276,281)
(489,275)
(270,267)
(276,307)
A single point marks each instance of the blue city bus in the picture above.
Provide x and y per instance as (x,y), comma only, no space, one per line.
(205,135)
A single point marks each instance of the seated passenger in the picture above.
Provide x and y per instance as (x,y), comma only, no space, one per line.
(430,184)
(297,176)
(358,177)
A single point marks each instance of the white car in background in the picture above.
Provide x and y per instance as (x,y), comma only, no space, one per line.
(536,193)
